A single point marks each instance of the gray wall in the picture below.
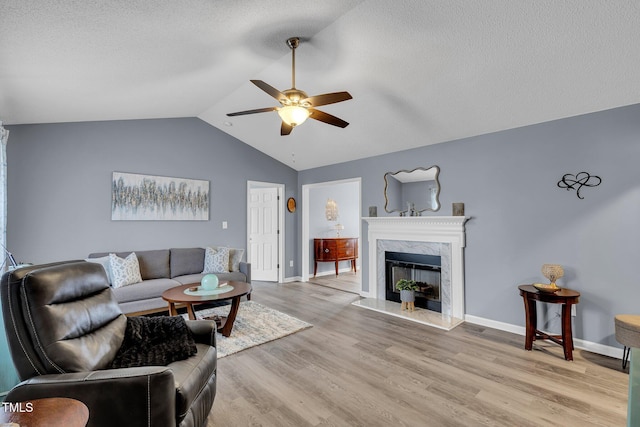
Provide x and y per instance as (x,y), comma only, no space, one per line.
(521,219)
(346,196)
(59,186)
(59,201)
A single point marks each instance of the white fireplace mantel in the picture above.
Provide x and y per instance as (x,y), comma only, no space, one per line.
(429,229)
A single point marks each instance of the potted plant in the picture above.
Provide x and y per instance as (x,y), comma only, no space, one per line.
(407,288)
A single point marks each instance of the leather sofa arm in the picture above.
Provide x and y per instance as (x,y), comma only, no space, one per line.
(204,331)
(142,396)
(245,268)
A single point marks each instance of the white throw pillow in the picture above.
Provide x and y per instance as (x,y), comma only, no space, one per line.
(104,262)
(235,256)
(124,271)
(216,260)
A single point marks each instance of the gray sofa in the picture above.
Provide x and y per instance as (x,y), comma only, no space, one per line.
(163,269)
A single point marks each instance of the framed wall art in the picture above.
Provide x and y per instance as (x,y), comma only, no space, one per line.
(136,197)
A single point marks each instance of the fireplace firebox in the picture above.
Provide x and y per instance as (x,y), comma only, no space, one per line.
(424,269)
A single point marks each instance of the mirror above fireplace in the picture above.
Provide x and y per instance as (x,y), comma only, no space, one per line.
(411,192)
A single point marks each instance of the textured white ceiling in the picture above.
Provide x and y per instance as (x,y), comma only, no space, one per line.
(421,72)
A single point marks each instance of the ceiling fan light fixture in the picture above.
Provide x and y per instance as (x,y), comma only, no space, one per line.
(293,115)
(296,105)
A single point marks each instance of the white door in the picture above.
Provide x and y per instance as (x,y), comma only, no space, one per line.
(263,233)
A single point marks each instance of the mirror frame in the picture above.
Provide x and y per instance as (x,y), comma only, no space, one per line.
(432,209)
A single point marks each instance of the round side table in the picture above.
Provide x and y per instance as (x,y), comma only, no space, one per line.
(567,298)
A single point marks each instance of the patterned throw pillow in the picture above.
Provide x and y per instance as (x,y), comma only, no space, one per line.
(216,260)
(124,271)
(235,256)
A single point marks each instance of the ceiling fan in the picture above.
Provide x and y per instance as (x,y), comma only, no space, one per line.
(297,106)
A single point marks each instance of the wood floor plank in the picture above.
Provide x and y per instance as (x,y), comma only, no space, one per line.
(357,367)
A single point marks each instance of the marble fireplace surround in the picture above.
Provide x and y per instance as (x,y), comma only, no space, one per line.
(433,235)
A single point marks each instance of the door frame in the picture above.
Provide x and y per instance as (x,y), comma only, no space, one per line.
(305,223)
(280,188)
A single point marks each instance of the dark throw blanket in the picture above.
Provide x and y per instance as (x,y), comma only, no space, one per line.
(154,341)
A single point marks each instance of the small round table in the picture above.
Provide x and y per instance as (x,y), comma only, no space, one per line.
(567,298)
(50,412)
(177,295)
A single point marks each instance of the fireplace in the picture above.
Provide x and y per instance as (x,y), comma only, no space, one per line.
(439,236)
(424,269)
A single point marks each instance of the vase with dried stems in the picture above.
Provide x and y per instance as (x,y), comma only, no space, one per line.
(552,272)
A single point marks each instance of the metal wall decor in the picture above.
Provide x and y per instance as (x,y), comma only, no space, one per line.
(579,180)
(136,197)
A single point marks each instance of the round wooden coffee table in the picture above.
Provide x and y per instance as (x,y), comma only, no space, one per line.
(177,295)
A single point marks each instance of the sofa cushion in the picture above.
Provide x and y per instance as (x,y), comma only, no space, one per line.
(143,305)
(216,260)
(186,261)
(124,271)
(153,264)
(189,279)
(144,290)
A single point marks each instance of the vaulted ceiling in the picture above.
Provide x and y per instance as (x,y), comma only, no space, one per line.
(420,72)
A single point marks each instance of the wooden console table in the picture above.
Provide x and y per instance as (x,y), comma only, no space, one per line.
(567,298)
(335,249)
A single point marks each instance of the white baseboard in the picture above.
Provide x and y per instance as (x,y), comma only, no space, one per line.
(593,347)
(507,327)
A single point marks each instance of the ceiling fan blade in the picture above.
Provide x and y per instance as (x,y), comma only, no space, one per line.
(258,110)
(269,89)
(327,118)
(328,98)
(285,129)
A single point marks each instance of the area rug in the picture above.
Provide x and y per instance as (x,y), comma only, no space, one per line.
(255,324)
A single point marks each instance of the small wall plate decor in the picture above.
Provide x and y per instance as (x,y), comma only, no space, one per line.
(579,180)
(291,204)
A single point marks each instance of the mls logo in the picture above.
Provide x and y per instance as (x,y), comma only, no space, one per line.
(17,407)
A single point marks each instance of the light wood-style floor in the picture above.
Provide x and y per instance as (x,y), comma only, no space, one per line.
(357,367)
(345,281)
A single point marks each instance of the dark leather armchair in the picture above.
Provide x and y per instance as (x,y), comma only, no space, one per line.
(64,328)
